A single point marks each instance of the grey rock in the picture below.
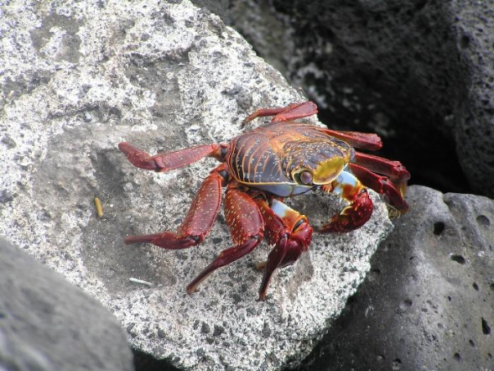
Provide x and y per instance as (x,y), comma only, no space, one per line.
(269,33)
(416,72)
(474,117)
(219,7)
(428,301)
(163,76)
(48,324)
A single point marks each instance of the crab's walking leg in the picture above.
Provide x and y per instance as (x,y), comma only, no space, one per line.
(291,234)
(367,141)
(291,112)
(392,191)
(391,183)
(393,169)
(169,160)
(199,219)
(246,228)
(357,213)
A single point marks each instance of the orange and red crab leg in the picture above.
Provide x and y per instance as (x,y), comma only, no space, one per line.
(163,162)
(392,183)
(291,234)
(354,215)
(393,169)
(367,141)
(246,228)
(291,112)
(199,220)
(393,191)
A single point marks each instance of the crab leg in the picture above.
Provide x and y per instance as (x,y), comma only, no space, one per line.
(246,228)
(354,215)
(381,184)
(291,234)
(291,112)
(199,219)
(367,141)
(393,169)
(163,162)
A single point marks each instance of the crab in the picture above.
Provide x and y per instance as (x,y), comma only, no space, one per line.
(262,167)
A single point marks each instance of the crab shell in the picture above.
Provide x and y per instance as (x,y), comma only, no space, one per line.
(273,157)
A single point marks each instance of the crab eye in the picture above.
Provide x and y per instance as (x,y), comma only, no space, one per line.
(306,177)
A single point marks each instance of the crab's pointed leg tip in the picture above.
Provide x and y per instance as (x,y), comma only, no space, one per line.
(262,295)
(192,290)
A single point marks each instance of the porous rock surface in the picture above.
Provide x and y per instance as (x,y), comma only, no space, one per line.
(418,72)
(79,77)
(428,302)
(48,324)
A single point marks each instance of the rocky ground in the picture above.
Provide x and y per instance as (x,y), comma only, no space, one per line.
(79,77)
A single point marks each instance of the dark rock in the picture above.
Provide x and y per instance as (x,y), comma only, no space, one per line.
(427,305)
(218,330)
(48,324)
(416,72)
(205,328)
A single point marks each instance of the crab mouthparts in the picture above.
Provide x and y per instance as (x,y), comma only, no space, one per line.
(328,170)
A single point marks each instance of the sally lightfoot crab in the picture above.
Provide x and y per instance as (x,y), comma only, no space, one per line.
(262,167)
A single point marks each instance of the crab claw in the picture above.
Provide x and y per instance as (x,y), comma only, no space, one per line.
(352,217)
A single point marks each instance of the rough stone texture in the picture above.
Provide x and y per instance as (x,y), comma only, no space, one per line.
(218,7)
(80,76)
(428,302)
(48,324)
(268,32)
(415,71)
